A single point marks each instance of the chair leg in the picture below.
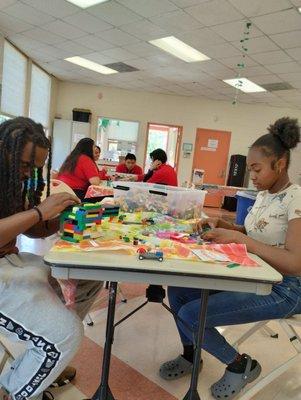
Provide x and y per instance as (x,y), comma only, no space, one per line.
(89,320)
(270,332)
(295,340)
(249,333)
(120,294)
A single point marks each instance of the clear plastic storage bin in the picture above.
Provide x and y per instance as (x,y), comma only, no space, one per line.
(174,201)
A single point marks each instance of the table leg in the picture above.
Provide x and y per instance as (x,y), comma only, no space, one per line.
(192,393)
(104,392)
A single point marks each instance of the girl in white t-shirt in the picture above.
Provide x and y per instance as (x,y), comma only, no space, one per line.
(272,230)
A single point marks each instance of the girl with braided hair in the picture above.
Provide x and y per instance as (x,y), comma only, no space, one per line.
(30,307)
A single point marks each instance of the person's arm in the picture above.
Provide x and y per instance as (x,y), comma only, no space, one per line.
(43,229)
(221,223)
(95,180)
(14,225)
(286,260)
(119,168)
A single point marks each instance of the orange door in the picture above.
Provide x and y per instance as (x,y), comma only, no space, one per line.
(211,153)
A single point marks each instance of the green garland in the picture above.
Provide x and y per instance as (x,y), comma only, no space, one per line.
(241,65)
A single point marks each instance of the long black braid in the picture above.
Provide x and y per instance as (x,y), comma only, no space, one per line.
(14,135)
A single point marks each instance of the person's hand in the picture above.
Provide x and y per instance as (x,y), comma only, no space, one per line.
(56,203)
(206,223)
(220,235)
(155,164)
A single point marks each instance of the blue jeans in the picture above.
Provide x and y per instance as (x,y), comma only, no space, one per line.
(232,308)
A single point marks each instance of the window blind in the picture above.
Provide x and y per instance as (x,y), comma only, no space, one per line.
(13,81)
(39,96)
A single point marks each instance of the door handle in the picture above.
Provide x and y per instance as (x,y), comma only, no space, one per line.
(222,174)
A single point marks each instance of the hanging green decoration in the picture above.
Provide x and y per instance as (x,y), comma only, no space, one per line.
(241,65)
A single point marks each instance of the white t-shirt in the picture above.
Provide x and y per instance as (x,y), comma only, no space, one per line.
(268,220)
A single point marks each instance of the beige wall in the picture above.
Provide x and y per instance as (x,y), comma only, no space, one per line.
(246,122)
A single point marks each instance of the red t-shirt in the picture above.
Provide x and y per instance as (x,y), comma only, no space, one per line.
(103,175)
(122,168)
(164,175)
(79,179)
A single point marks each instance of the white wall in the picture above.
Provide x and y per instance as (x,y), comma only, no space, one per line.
(246,122)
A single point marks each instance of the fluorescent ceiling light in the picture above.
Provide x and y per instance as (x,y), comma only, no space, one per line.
(86,3)
(179,49)
(244,85)
(299,9)
(83,62)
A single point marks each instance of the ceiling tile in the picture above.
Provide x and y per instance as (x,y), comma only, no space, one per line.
(162,60)
(24,42)
(234,31)
(176,21)
(142,49)
(264,79)
(75,48)
(148,8)
(94,43)
(187,3)
(28,14)
(257,45)
(117,37)
(291,77)
(295,53)
(233,61)
(200,38)
(271,57)
(43,36)
(287,40)
(214,68)
(56,8)
(214,12)
(259,7)
(144,30)
(37,55)
(283,21)
(10,24)
(87,22)
(100,58)
(140,63)
(296,3)
(54,51)
(63,29)
(114,13)
(254,71)
(284,67)
(63,65)
(7,3)
(119,54)
(221,51)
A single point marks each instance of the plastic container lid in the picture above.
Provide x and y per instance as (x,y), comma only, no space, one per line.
(247,195)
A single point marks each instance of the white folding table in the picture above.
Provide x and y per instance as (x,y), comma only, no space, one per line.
(117,267)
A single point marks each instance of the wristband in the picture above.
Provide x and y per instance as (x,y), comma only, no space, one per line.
(39,213)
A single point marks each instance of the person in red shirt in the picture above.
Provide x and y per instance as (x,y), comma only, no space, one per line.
(129,166)
(79,170)
(160,172)
(103,172)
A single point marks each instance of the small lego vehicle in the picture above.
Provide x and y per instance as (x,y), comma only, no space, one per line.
(148,255)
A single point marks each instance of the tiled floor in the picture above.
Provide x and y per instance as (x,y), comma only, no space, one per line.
(149,338)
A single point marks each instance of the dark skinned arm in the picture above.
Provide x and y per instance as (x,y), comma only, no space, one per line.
(43,229)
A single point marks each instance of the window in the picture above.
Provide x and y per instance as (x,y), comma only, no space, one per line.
(116,138)
(13,81)
(39,96)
